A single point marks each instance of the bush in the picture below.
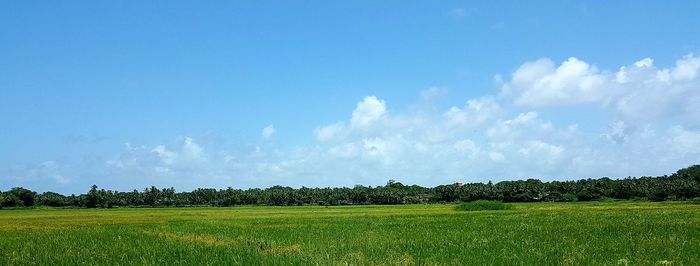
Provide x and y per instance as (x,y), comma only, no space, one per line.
(482,205)
(568,197)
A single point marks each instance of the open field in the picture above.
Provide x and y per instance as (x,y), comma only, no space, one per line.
(611,233)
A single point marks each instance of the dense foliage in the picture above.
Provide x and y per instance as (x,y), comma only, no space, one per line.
(684,184)
(483,205)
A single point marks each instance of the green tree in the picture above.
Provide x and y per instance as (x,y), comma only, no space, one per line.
(52,199)
(92,197)
(22,197)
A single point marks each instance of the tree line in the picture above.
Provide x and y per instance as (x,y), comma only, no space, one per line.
(682,185)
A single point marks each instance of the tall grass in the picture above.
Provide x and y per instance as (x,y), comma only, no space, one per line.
(595,233)
(483,205)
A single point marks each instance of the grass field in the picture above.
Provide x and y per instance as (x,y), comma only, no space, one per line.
(610,233)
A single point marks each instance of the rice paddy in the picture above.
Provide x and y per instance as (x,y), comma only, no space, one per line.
(609,233)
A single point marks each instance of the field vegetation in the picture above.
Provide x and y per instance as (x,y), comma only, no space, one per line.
(580,233)
(483,205)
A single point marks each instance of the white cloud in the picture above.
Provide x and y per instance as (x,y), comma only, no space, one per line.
(525,124)
(329,132)
(685,141)
(468,147)
(191,149)
(475,113)
(496,156)
(537,147)
(618,132)
(648,93)
(168,157)
(268,131)
(187,157)
(539,83)
(367,112)
(637,93)
(686,68)
(345,150)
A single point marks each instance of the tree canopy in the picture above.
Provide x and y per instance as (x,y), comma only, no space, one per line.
(684,184)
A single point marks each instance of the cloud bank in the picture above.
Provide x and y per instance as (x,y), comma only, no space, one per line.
(652,129)
(640,92)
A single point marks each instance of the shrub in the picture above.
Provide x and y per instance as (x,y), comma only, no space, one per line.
(568,197)
(481,205)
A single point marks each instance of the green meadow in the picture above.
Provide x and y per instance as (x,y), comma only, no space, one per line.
(590,233)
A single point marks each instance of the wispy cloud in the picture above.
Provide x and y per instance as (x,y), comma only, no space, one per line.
(268,131)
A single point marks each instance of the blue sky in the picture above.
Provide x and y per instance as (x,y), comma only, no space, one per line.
(255,93)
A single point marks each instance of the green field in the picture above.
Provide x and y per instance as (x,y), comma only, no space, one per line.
(610,233)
